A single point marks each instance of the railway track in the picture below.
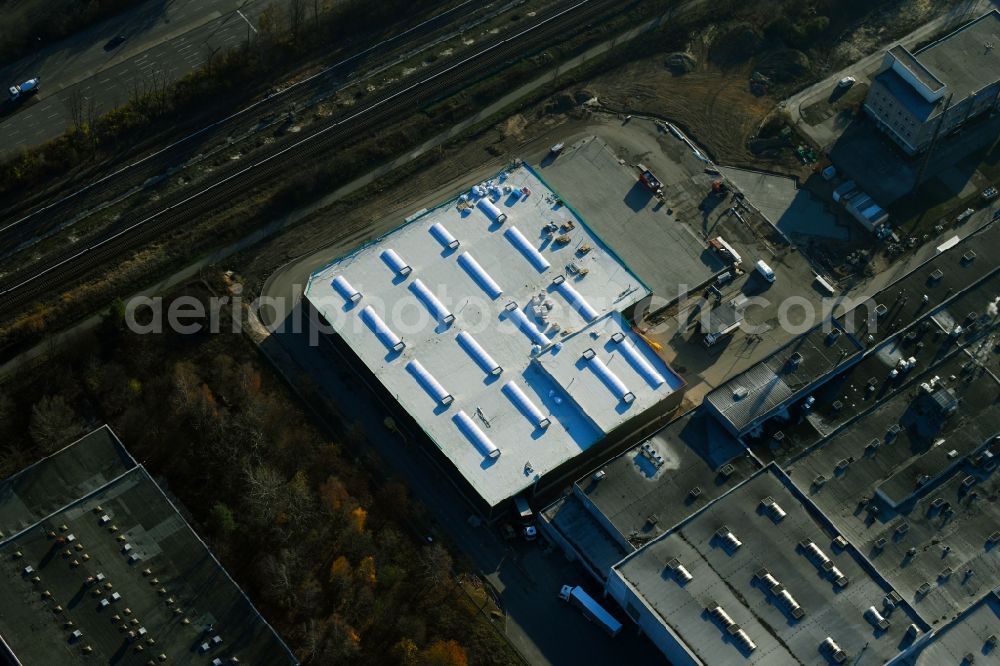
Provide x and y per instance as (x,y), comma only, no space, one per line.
(20,225)
(130,233)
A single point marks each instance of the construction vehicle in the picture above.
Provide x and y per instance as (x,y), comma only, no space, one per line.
(719,187)
(650,181)
(725,250)
(26,89)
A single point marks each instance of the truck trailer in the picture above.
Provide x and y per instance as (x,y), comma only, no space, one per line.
(593,611)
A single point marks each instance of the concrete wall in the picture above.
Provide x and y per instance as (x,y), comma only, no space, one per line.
(649,622)
(915,136)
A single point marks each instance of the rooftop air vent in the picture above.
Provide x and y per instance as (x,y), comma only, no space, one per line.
(729,541)
(740,392)
(772,509)
(830,647)
(876,619)
(680,573)
(936,275)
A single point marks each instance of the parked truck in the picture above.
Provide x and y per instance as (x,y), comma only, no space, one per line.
(26,89)
(592,610)
(527,517)
(649,180)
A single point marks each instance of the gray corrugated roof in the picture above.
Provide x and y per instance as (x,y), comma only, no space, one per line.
(775,380)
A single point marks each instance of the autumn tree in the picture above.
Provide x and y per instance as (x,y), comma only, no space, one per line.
(443,653)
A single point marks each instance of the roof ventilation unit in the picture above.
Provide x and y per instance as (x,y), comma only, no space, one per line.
(830,647)
(431,302)
(679,571)
(345,289)
(527,326)
(491,211)
(396,263)
(443,236)
(876,619)
(479,275)
(391,341)
(475,435)
(610,379)
(638,361)
(576,301)
(728,539)
(816,555)
(478,354)
(429,383)
(771,508)
(534,257)
(525,404)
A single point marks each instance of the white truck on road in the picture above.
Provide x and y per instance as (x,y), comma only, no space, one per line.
(19,92)
(594,611)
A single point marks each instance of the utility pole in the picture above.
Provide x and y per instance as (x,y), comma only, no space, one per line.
(934,140)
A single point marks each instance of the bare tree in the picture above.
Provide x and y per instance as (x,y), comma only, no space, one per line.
(53,423)
(75,103)
(296,17)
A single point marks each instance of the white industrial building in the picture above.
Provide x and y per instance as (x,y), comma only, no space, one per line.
(496,323)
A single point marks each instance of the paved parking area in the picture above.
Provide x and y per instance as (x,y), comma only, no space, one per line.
(662,242)
(794,211)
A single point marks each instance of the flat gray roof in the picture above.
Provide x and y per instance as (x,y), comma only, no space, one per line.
(969,635)
(848,394)
(968,59)
(663,250)
(60,479)
(919,455)
(174,597)
(733,579)
(641,499)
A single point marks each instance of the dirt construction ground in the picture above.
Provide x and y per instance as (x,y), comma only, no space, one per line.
(714,107)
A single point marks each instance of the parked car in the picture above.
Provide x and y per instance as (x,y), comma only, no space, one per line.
(846,82)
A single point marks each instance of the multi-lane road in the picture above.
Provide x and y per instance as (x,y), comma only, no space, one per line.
(164,40)
(131,230)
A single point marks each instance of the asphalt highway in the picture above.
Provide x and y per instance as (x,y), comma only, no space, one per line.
(165,39)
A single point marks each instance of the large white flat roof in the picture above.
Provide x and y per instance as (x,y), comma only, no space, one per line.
(424,314)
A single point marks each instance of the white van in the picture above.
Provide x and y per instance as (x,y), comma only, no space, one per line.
(765,270)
